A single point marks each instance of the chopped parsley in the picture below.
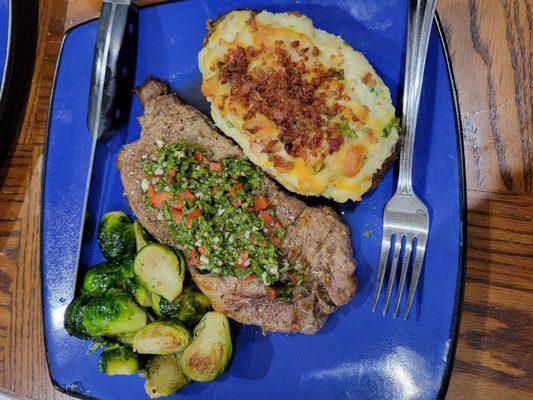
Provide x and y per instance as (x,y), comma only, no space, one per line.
(393,123)
(346,130)
(215,213)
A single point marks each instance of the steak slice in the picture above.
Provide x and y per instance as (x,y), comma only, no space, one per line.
(316,239)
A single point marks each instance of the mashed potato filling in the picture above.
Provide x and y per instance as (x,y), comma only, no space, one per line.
(302,104)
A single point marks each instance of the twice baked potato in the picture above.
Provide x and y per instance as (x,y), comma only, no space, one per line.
(303,105)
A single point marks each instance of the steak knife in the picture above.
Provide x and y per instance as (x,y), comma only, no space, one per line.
(111,81)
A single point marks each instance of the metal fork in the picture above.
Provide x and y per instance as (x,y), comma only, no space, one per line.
(406,218)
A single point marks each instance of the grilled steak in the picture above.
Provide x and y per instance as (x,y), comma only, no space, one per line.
(316,239)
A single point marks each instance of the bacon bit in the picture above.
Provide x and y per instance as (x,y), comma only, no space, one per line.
(151,191)
(203,250)
(271,294)
(187,194)
(277,225)
(366,78)
(266,217)
(260,203)
(371,136)
(295,13)
(239,186)
(273,146)
(215,190)
(315,51)
(295,44)
(176,215)
(195,213)
(192,261)
(198,157)
(158,200)
(276,241)
(263,243)
(248,279)
(280,163)
(293,280)
(215,167)
(335,143)
(192,253)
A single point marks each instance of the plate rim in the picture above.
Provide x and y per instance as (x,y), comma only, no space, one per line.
(6,72)
(459,290)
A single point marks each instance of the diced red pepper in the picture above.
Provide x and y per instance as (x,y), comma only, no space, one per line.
(187,194)
(294,280)
(158,200)
(177,215)
(171,174)
(271,294)
(178,204)
(198,157)
(276,241)
(265,217)
(215,167)
(203,250)
(193,257)
(260,203)
(249,279)
(151,191)
(239,186)
(195,213)
(263,243)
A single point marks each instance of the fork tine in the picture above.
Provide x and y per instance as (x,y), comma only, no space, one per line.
(403,274)
(417,267)
(383,258)
(392,272)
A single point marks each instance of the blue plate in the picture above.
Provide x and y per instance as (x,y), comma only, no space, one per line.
(358,354)
(5,33)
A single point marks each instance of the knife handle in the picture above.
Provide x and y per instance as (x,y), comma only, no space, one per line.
(112,74)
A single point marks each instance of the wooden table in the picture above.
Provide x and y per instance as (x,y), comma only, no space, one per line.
(489,42)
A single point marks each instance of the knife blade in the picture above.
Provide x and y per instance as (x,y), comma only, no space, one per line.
(111,81)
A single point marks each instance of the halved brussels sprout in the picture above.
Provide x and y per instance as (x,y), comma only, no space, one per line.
(142,237)
(188,308)
(164,376)
(119,361)
(126,338)
(74,317)
(113,315)
(208,355)
(100,278)
(116,236)
(156,301)
(132,285)
(161,337)
(160,270)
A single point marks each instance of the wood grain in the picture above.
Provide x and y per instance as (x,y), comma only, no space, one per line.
(489,43)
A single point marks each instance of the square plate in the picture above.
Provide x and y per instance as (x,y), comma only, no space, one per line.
(358,354)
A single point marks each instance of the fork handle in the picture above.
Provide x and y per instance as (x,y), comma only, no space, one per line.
(420,18)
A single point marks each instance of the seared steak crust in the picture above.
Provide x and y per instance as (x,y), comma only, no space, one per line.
(316,239)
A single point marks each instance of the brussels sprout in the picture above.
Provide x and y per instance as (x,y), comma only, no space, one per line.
(132,285)
(126,338)
(188,308)
(164,376)
(100,278)
(142,237)
(160,270)
(113,315)
(116,236)
(119,361)
(156,301)
(161,337)
(209,352)
(74,318)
